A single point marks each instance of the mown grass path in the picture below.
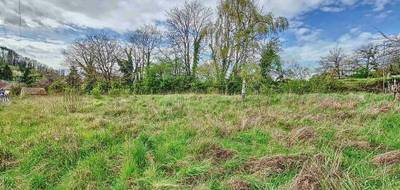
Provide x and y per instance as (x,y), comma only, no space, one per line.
(199,142)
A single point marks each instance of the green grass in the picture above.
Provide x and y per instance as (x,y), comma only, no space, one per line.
(166,142)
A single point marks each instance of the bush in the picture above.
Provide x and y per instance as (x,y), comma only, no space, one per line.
(15,89)
(89,86)
(361,73)
(58,87)
(101,87)
(296,86)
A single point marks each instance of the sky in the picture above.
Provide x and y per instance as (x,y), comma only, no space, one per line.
(49,26)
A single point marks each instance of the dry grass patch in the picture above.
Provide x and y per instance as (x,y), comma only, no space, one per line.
(214,152)
(7,160)
(237,184)
(302,135)
(338,105)
(380,109)
(274,164)
(388,158)
(318,174)
(362,145)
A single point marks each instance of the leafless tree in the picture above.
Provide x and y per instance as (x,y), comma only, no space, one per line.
(187,29)
(146,39)
(393,40)
(334,63)
(107,51)
(368,57)
(81,55)
(93,55)
(391,49)
(296,71)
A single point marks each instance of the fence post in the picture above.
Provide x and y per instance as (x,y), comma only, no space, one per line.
(244,89)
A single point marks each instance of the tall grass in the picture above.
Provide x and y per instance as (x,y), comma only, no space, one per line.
(194,141)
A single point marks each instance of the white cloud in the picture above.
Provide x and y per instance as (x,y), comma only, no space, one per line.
(379,4)
(123,15)
(48,52)
(332,9)
(310,53)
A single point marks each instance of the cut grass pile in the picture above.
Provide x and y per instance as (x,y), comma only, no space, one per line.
(317,141)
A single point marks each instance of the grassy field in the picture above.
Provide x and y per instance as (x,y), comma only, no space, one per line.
(322,141)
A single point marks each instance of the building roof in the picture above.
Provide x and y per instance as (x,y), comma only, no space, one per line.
(33,92)
(4,84)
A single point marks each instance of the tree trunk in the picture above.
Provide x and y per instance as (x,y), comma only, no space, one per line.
(196,57)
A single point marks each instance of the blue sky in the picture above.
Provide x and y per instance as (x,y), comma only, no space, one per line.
(49,26)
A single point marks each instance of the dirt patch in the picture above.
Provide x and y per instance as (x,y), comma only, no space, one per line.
(315,175)
(274,164)
(388,158)
(301,135)
(220,154)
(239,185)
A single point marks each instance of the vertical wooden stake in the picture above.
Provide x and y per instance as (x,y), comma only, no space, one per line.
(244,89)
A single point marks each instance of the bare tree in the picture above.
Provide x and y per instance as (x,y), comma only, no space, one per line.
(146,39)
(81,55)
(187,30)
(107,51)
(393,40)
(392,51)
(93,55)
(334,63)
(296,71)
(368,57)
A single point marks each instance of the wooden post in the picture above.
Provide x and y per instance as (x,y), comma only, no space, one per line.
(244,89)
(384,80)
(395,90)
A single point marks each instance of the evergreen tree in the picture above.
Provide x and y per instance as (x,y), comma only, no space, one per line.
(27,77)
(6,73)
(73,79)
(270,61)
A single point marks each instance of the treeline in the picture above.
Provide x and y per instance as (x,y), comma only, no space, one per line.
(379,59)
(231,49)
(198,50)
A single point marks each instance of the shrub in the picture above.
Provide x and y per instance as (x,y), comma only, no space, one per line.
(57,87)
(16,89)
(361,73)
(101,87)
